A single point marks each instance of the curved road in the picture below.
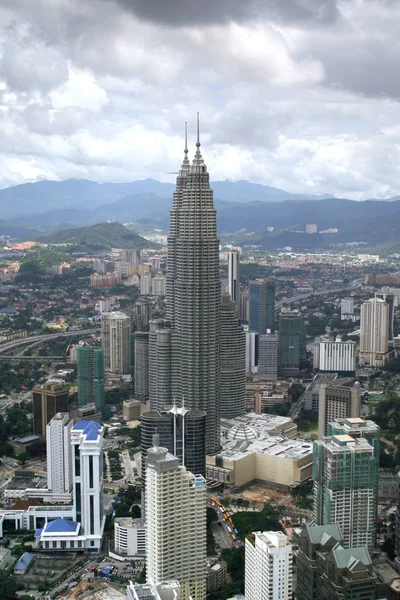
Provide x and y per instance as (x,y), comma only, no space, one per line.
(10,346)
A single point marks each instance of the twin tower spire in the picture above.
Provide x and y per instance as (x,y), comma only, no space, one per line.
(198,162)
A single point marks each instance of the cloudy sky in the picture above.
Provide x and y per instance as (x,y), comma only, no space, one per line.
(298,94)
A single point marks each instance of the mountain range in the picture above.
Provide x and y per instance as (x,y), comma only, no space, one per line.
(30,210)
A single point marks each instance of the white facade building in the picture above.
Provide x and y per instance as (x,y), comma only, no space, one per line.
(87,443)
(59,456)
(167,590)
(105,304)
(116,341)
(347,309)
(251,352)
(374,333)
(233,275)
(268,567)
(145,284)
(176,503)
(129,537)
(335,356)
(158,285)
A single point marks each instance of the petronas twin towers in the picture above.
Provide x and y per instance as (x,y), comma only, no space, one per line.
(185,350)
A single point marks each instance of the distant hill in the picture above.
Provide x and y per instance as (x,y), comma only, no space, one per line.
(97,237)
(30,199)
(14,230)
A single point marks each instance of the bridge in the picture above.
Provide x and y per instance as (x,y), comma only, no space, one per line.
(22,358)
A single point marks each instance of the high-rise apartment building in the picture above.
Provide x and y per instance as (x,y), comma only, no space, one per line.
(234,275)
(391,301)
(87,445)
(345,483)
(116,341)
(335,356)
(337,402)
(176,503)
(262,305)
(59,456)
(131,256)
(232,357)
(141,365)
(268,566)
(374,333)
(158,285)
(347,309)
(328,571)
(181,431)
(142,310)
(292,343)
(268,356)
(145,284)
(189,369)
(90,362)
(48,400)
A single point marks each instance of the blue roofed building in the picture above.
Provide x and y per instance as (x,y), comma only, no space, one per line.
(24,563)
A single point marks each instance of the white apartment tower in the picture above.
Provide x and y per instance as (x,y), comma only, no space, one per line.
(87,444)
(374,333)
(145,284)
(233,275)
(59,456)
(335,356)
(176,503)
(268,567)
(347,309)
(116,341)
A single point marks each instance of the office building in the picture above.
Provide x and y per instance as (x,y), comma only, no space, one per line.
(176,503)
(145,284)
(292,343)
(328,571)
(162,379)
(142,311)
(59,455)
(374,333)
(167,590)
(262,305)
(251,352)
(335,356)
(129,537)
(244,306)
(141,365)
(268,356)
(131,410)
(193,299)
(345,487)
(48,400)
(234,275)
(347,309)
(116,341)
(268,566)
(232,365)
(337,402)
(90,362)
(87,445)
(181,431)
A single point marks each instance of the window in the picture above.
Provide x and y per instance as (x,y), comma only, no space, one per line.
(91,471)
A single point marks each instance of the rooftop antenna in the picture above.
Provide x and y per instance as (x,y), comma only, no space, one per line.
(198,130)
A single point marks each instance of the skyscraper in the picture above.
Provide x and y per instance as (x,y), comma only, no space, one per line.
(335,356)
(292,343)
(90,362)
(87,444)
(59,455)
(268,566)
(234,275)
(48,400)
(389,298)
(337,402)
(262,305)
(192,347)
(176,503)
(141,365)
(233,363)
(374,333)
(268,356)
(181,431)
(345,484)
(116,341)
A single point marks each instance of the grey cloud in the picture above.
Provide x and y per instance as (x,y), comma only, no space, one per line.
(201,12)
